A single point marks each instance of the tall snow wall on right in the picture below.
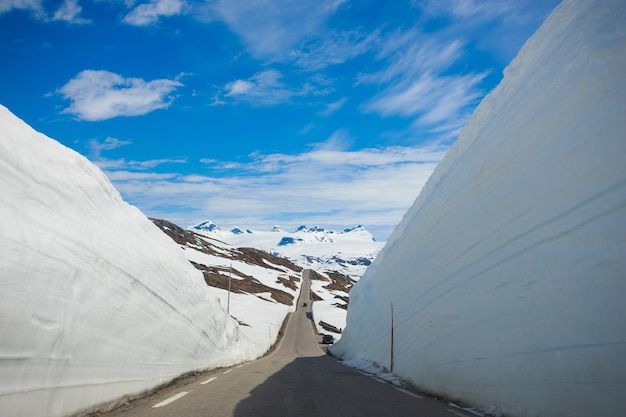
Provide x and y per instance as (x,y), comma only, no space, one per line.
(506,279)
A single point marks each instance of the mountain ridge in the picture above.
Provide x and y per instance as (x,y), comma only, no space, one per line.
(208,226)
(348,251)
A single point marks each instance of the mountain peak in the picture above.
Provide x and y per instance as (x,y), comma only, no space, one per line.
(304,228)
(309,234)
(207,226)
(353,229)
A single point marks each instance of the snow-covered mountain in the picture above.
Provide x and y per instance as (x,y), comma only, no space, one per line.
(348,251)
(504,282)
(339,258)
(263,287)
(96,303)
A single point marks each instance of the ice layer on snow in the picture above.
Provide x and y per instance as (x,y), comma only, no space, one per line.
(96,303)
(506,278)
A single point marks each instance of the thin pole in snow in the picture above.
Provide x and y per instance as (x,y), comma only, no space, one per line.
(391,366)
(230,273)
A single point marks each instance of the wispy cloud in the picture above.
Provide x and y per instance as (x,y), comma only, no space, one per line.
(414,82)
(497,26)
(264,89)
(332,48)
(117,165)
(324,186)
(149,13)
(69,11)
(34,6)
(477,10)
(430,98)
(411,54)
(101,95)
(96,147)
(333,107)
(269,29)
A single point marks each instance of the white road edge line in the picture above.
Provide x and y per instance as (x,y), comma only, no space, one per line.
(457,413)
(281,340)
(412,394)
(227,371)
(315,336)
(171,399)
(208,380)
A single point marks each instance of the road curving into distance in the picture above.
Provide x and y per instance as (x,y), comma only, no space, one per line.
(297,379)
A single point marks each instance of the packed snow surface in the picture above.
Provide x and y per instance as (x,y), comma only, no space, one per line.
(506,277)
(96,302)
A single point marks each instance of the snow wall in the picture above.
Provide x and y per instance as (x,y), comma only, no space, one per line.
(96,303)
(508,274)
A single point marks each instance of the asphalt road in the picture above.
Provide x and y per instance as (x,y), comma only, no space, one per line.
(298,379)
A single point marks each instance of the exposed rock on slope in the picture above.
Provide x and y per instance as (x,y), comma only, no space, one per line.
(218,275)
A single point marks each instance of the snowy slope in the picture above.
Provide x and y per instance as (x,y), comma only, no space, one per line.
(339,258)
(96,302)
(264,288)
(506,276)
(348,251)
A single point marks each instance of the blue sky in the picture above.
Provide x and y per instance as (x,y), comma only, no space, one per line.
(257,112)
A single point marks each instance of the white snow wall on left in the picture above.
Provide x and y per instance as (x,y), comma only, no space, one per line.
(96,303)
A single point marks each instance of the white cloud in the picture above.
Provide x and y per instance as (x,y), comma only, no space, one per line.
(414,81)
(112,143)
(263,88)
(333,107)
(478,10)
(35,6)
(270,28)
(69,12)
(323,186)
(411,54)
(332,49)
(431,99)
(149,13)
(363,159)
(498,27)
(239,87)
(101,95)
(132,177)
(339,140)
(96,147)
(116,165)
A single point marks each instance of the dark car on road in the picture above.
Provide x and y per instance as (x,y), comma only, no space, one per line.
(328,339)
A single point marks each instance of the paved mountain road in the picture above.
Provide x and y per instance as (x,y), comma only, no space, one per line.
(298,379)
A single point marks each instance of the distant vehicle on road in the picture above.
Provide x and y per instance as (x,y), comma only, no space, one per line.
(304,305)
(328,339)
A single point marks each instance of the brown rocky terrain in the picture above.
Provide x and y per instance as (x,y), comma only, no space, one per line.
(218,276)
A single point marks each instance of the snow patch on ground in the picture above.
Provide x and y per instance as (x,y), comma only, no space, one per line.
(326,310)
